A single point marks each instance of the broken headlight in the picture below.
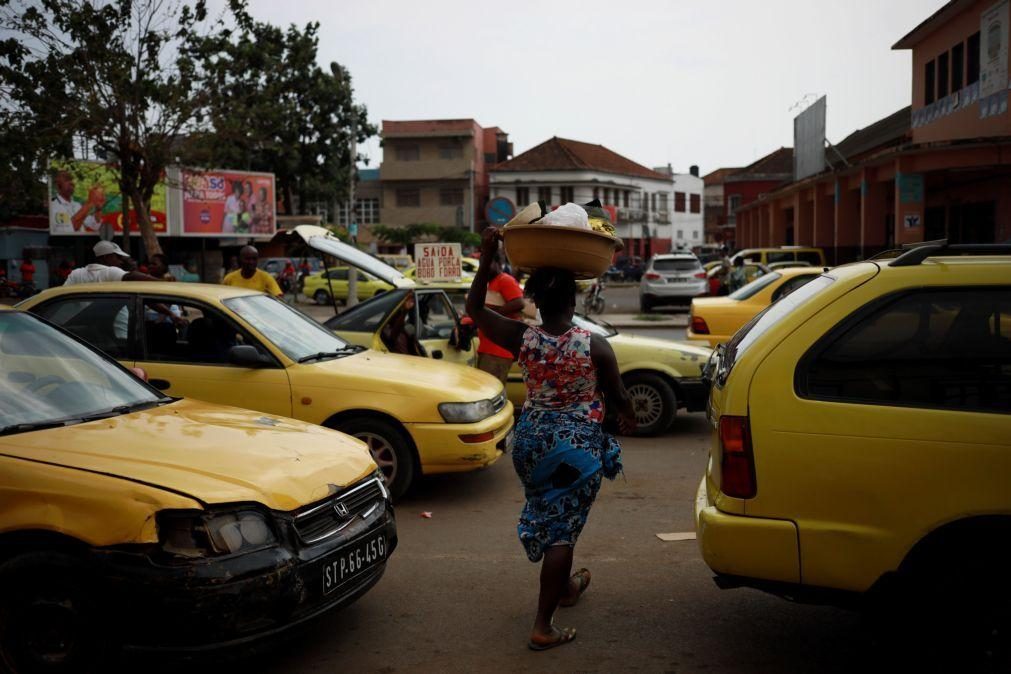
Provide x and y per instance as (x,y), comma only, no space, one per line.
(195,534)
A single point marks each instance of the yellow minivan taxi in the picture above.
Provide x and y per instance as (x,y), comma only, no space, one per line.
(861,435)
(128,517)
(239,347)
(767,256)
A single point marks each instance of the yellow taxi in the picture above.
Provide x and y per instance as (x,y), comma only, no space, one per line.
(321,285)
(766,256)
(714,320)
(862,435)
(661,375)
(128,517)
(239,347)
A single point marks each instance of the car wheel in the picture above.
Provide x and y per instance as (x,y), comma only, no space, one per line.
(390,450)
(645,304)
(653,402)
(321,297)
(50,617)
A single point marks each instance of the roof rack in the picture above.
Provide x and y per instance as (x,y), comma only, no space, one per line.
(915,253)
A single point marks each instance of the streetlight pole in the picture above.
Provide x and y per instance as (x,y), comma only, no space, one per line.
(352,217)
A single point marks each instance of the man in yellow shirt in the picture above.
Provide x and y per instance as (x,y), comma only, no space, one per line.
(248,276)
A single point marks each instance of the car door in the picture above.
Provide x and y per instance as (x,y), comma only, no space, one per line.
(437,321)
(192,359)
(106,321)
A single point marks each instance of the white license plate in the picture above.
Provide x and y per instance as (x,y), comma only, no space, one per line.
(353,560)
(507,444)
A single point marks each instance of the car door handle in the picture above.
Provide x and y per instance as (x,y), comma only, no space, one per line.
(160,384)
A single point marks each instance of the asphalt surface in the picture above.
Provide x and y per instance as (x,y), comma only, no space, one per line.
(459,593)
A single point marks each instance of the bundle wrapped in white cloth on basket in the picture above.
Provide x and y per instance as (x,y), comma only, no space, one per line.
(579,238)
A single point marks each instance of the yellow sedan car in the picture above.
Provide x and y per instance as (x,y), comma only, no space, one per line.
(319,286)
(661,375)
(238,347)
(131,518)
(714,320)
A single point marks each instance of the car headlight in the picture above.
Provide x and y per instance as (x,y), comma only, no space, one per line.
(466,413)
(197,534)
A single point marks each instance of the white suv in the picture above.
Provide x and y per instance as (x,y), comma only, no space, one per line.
(674,278)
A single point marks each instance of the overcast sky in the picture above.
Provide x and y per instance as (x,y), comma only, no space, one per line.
(708,83)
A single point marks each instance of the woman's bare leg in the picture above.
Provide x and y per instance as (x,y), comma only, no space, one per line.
(555,571)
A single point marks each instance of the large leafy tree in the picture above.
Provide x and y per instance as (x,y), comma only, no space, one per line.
(116,76)
(272,108)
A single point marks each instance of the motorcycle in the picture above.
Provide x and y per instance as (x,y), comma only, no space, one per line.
(593,301)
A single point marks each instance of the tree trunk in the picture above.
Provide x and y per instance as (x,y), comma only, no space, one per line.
(143,211)
(288,210)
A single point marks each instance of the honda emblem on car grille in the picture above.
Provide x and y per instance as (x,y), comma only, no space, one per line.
(341,509)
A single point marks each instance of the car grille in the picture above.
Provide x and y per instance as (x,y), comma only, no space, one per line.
(499,401)
(336,513)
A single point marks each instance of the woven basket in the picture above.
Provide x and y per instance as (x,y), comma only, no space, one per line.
(584,252)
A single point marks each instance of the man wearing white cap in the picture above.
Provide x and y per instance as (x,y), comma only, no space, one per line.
(108,266)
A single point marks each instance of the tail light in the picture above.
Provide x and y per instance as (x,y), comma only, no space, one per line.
(700,275)
(652,276)
(699,326)
(737,463)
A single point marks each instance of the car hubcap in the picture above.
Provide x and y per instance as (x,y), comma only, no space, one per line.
(382,453)
(646,403)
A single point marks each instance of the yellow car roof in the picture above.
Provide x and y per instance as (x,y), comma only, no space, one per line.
(200,291)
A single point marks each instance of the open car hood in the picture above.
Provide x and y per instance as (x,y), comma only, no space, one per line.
(322,241)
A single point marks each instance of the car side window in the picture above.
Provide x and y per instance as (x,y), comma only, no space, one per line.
(934,348)
(367,316)
(178,332)
(105,322)
(338,275)
(809,256)
(792,284)
(778,256)
(436,316)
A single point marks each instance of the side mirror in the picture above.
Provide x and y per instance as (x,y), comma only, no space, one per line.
(245,355)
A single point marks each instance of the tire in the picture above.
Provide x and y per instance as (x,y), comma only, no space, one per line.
(653,401)
(391,450)
(645,304)
(51,618)
(321,297)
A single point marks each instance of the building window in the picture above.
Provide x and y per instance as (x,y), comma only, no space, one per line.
(957,66)
(568,195)
(544,194)
(663,201)
(366,212)
(681,234)
(522,196)
(451,197)
(679,202)
(928,83)
(407,152)
(972,60)
(450,151)
(695,234)
(695,203)
(654,202)
(645,202)
(408,198)
(942,75)
(733,203)
(625,198)
(596,192)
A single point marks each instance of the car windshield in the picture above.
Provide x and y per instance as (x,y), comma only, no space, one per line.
(754,287)
(772,315)
(52,379)
(594,327)
(294,333)
(676,264)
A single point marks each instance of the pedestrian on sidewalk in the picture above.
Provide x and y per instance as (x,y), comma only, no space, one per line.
(248,276)
(110,265)
(506,299)
(560,449)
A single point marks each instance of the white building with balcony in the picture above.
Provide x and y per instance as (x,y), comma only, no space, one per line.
(644,203)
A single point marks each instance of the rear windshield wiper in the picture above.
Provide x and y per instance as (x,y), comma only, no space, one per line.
(323,355)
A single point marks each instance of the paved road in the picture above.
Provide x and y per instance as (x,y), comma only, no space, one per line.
(459,593)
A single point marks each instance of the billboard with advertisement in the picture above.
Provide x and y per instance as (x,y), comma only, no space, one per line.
(227,203)
(84,195)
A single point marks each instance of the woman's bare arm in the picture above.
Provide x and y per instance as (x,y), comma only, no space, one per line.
(505,332)
(609,381)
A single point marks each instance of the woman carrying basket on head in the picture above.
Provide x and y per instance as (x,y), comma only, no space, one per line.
(560,449)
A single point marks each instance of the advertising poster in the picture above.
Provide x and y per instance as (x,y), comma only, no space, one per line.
(85,195)
(438,262)
(993,46)
(228,203)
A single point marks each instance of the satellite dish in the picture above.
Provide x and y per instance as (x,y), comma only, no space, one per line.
(105,232)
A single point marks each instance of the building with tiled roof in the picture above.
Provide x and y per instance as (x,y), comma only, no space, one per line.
(653,210)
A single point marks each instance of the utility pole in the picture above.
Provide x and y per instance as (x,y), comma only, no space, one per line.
(352,215)
(470,174)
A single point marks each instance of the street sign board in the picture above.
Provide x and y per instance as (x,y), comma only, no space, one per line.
(438,262)
(809,141)
(499,211)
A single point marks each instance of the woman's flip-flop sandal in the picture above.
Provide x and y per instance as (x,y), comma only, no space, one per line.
(583,577)
(563,636)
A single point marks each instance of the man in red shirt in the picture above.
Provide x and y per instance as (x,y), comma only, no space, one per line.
(505,297)
(27,270)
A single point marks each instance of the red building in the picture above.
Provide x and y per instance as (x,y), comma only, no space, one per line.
(940,168)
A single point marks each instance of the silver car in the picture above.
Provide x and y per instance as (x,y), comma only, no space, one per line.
(674,278)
